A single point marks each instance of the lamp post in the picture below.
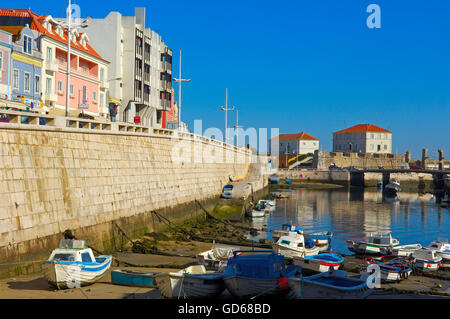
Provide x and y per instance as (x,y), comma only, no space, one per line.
(179,80)
(237,127)
(69,28)
(226,109)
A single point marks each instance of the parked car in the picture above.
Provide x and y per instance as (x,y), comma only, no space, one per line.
(415,167)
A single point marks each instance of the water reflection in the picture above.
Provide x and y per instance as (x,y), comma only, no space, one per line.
(411,217)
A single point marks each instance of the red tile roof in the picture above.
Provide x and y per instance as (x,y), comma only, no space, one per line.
(36,24)
(363,128)
(293,137)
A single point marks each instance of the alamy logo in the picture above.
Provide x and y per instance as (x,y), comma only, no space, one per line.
(374,20)
(374,279)
(73,277)
(74,16)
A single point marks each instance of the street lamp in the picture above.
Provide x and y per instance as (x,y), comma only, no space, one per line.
(179,80)
(226,109)
(237,127)
(69,28)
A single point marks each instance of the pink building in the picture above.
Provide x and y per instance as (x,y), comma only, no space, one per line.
(88,89)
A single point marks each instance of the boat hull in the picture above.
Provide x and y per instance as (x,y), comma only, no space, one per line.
(242,287)
(292,253)
(71,275)
(133,278)
(313,290)
(427,265)
(179,286)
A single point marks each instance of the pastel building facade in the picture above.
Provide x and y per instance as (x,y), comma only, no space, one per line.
(140,72)
(5,63)
(363,138)
(300,143)
(88,70)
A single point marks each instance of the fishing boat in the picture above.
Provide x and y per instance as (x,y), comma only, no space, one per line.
(190,283)
(258,211)
(73,265)
(443,250)
(392,267)
(215,257)
(253,273)
(322,239)
(393,187)
(274,179)
(320,262)
(333,284)
(294,244)
(288,181)
(401,250)
(284,231)
(133,278)
(270,202)
(227,191)
(265,206)
(426,260)
(373,244)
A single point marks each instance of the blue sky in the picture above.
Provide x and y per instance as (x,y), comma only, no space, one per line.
(305,65)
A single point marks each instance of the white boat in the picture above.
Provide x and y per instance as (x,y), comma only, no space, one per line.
(190,283)
(393,187)
(284,231)
(73,265)
(333,284)
(257,213)
(373,244)
(443,250)
(294,244)
(215,257)
(320,262)
(401,250)
(392,268)
(271,202)
(322,239)
(426,260)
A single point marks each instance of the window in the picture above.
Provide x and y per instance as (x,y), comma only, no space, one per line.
(48,85)
(49,54)
(64,257)
(85,257)
(102,97)
(37,84)
(27,44)
(101,74)
(16,79)
(60,86)
(371,147)
(71,89)
(26,81)
(372,135)
(1,60)
(285,242)
(385,147)
(379,136)
(94,96)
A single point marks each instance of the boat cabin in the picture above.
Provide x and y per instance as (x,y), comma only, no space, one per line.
(72,251)
(426,254)
(262,264)
(382,239)
(439,246)
(295,240)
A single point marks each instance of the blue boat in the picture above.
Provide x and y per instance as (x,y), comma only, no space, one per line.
(274,179)
(333,284)
(288,181)
(255,273)
(227,191)
(133,278)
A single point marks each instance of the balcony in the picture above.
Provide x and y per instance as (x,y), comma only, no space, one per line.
(51,96)
(51,66)
(104,85)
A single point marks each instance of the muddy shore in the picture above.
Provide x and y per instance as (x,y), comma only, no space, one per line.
(176,247)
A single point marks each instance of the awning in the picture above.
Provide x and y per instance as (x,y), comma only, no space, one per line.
(114,100)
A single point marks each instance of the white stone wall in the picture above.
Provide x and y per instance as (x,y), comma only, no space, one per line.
(52,180)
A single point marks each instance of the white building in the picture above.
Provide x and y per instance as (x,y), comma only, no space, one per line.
(140,72)
(363,138)
(301,143)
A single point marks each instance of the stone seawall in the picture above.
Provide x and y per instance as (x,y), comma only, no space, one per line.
(53,179)
(322,160)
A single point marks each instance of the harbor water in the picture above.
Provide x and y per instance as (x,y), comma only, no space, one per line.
(411,217)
